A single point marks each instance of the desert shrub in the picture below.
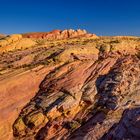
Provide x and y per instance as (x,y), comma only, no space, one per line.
(138,55)
(104,48)
(40,42)
(73,125)
(114,41)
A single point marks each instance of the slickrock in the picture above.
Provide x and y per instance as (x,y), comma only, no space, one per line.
(118,91)
(15,42)
(70,85)
(127,128)
(15,92)
(10,39)
(104,87)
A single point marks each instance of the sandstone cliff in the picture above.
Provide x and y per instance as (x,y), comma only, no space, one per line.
(70,85)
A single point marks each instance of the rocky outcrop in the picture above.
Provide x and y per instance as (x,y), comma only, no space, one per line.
(127,128)
(58,34)
(15,42)
(10,39)
(15,92)
(118,91)
(100,87)
(75,88)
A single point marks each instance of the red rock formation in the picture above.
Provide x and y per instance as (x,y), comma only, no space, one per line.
(58,34)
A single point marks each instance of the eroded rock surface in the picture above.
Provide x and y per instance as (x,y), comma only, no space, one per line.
(84,87)
(89,91)
(118,91)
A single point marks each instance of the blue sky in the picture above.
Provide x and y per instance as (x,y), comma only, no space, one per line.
(102,17)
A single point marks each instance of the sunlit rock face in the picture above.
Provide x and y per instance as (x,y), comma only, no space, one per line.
(58,34)
(69,85)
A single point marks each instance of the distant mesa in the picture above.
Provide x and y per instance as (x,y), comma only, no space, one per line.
(58,34)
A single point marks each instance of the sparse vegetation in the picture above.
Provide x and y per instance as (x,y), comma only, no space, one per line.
(73,125)
(41,41)
(138,55)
